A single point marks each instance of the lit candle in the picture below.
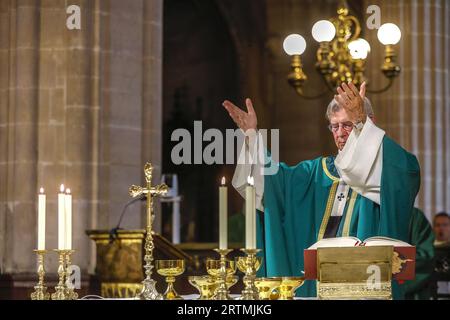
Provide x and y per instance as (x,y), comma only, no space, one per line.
(41,219)
(68,208)
(250,215)
(223,212)
(61,218)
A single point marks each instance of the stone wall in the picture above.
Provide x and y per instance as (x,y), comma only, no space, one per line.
(79,107)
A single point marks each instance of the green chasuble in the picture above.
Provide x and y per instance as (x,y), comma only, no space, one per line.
(297,207)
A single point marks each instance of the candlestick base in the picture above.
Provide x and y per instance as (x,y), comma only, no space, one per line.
(249,265)
(61,288)
(40,290)
(69,289)
(149,291)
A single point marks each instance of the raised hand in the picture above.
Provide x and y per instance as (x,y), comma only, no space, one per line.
(244,120)
(352,101)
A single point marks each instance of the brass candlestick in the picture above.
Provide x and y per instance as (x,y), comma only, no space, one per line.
(225,269)
(60,289)
(149,291)
(70,292)
(40,290)
(249,265)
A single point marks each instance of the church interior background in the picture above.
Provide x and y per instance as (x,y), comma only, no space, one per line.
(89,107)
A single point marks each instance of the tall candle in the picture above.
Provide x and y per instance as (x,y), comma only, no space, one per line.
(41,219)
(61,219)
(250,215)
(223,212)
(68,209)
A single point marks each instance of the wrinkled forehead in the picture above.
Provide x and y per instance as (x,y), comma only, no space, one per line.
(339,116)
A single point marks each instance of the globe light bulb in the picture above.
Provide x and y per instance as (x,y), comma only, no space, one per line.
(323,31)
(294,44)
(389,34)
(359,48)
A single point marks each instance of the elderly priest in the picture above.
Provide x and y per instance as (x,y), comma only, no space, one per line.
(367,189)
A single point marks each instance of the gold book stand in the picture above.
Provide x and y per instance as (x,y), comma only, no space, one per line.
(354,273)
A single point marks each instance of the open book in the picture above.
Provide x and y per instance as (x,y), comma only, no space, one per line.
(354,242)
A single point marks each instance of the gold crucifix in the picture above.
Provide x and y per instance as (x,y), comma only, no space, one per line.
(149,191)
(149,291)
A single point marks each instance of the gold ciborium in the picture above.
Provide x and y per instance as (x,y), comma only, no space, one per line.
(170,269)
(220,270)
(206,286)
(267,286)
(288,287)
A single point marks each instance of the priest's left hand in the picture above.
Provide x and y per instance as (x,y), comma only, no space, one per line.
(352,101)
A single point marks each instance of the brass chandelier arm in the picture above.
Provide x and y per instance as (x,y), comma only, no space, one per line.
(386,88)
(328,89)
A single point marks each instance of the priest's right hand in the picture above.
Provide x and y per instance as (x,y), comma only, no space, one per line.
(244,120)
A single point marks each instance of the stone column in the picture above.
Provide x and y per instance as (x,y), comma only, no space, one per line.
(19,31)
(152,92)
(73,111)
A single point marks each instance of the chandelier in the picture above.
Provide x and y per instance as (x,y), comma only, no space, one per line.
(342,54)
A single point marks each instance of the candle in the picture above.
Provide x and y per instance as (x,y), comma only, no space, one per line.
(250,215)
(61,219)
(223,212)
(68,218)
(41,219)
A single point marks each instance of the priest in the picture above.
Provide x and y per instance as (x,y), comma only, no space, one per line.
(367,189)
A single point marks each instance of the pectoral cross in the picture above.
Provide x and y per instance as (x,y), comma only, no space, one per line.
(149,291)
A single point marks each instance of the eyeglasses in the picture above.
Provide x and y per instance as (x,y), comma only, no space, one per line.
(347,126)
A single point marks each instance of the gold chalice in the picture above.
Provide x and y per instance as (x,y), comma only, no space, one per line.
(266,287)
(288,287)
(206,286)
(213,267)
(170,269)
(221,270)
(249,265)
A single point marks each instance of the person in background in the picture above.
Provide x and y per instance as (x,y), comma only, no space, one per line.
(441,226)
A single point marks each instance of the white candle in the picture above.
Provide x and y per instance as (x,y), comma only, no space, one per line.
(250,215)
(41,219)
(68,209)
(223,219)
(61,219)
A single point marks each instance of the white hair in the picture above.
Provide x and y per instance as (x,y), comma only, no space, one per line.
(334,107)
